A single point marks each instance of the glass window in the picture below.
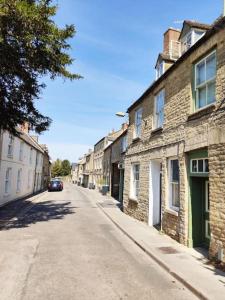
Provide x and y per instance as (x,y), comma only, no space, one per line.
(8,180)
(200,165)
(159,109)
(135,183)
(10,145)
(124,143)
(205,77)
(21,151)
(174,184)
(138,119)
(159,70)
(19,175)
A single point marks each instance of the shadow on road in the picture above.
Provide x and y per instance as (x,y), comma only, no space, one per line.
(31,214)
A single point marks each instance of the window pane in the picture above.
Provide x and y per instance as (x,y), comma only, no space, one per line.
(201,97)
(211,67)
(175,195)
(200,73)
(160,119)
(206,165)
(200,165)
(194,166)
(211,93)
(175,170)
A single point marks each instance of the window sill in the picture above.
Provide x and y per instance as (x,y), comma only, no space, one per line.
(132,199)
(201,112)
(157,131)
(135,140)
(172,211)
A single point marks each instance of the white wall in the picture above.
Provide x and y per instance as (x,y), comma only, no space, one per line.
(15,163)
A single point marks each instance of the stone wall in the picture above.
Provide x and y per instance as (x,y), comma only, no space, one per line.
(183,131)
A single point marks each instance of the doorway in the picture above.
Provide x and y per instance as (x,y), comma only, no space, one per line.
(200,211)
(155,192)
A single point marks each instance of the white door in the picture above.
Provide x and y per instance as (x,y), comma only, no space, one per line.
(154,193)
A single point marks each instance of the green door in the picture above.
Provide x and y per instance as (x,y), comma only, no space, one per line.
(200,211)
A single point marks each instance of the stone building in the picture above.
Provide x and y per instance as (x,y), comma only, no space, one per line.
(88,180)
(21,166)
(46,172)
(99,148)
(174,165)
(113,165)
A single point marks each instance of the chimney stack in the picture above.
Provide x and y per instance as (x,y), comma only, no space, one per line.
(124,126)
(25,127)
(171,37)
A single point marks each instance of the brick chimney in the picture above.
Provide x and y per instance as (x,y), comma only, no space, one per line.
(170,43)
(124,126)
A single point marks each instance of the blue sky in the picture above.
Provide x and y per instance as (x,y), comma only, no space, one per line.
(115,49)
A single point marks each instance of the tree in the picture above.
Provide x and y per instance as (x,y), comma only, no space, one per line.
(31,46)
(56,169)
(66,167)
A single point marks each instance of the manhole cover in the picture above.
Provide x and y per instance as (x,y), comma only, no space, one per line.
(168,250)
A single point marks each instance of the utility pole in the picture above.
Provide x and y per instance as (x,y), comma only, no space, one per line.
(223,8)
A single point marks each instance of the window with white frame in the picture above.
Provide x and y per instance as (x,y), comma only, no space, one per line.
(138,119)
(124,143)
(21,151)
(159,109)
(31,155)
(135,184)
(10,145)
(159,69)
(30,178)
(200,165)
(8,175)
(19,177)
(205,81)
(174,200)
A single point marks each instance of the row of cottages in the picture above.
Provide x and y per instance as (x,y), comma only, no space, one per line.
(103,167)
(99,179)
(24,165)
(175,160)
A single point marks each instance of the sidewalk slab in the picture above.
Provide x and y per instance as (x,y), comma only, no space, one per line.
(187,265)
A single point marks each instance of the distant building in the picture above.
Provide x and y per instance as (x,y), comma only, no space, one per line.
(99,148)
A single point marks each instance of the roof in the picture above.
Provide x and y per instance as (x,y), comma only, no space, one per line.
(123,133)
(187,25)
(217,26)
(29,140)
(164,57)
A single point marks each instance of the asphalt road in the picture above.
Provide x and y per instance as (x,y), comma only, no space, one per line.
(64,247)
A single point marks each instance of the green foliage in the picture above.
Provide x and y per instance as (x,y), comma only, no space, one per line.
(61,168)
(56,168)
(31,46)
(65,167)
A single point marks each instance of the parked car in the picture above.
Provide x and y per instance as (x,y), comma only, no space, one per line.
(55,185)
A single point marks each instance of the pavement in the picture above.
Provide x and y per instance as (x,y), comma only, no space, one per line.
(62,246)
(189,266)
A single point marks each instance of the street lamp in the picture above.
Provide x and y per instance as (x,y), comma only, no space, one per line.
(120,114)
